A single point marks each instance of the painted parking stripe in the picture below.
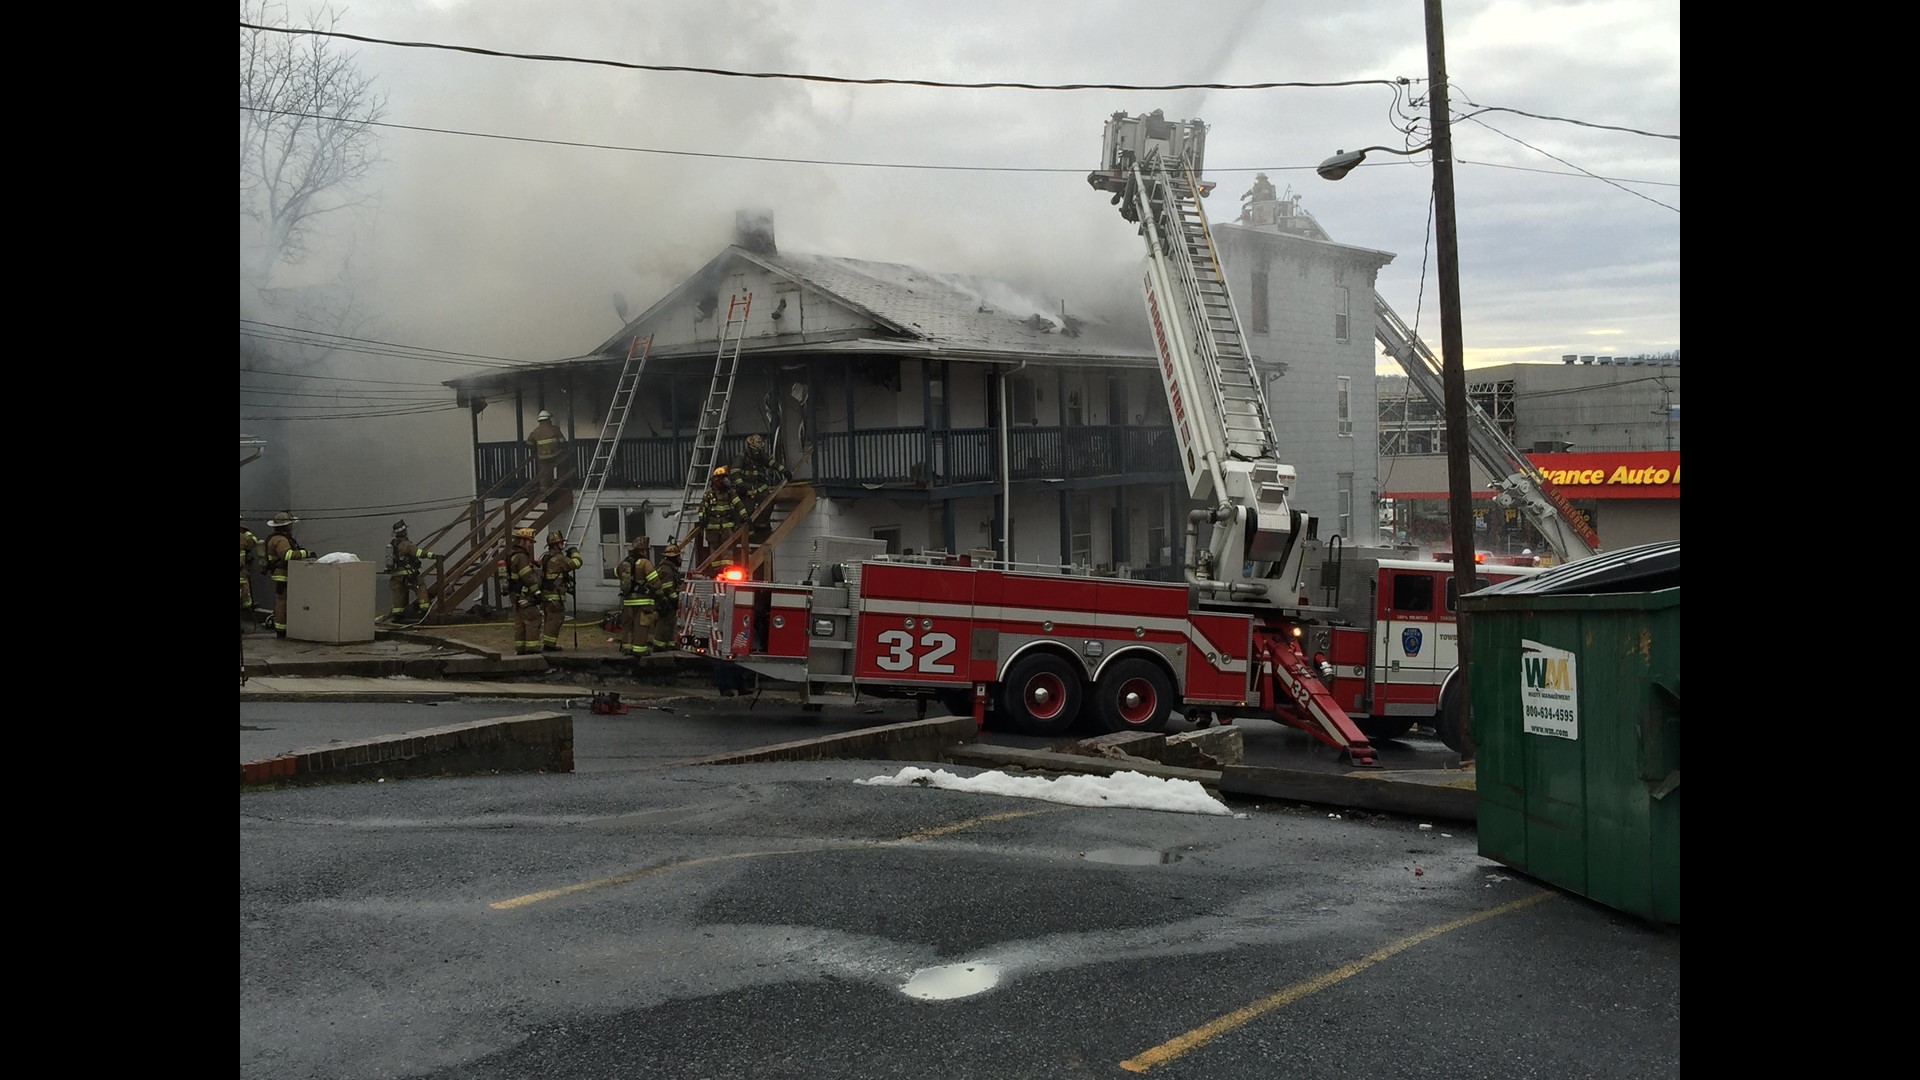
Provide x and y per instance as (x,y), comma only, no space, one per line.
(1176,1048)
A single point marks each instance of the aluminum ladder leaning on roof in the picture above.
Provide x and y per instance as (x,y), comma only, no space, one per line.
(601,462)
(713,416)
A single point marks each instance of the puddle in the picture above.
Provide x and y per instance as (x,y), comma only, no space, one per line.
(1124,856)
(951,981)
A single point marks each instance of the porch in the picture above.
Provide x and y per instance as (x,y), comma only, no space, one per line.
(895,455)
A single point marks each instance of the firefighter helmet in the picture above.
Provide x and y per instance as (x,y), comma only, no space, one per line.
(523,534)
(556,538)
(544,416)
(285,517)
(672,551)
(719,471)
(400,527)
(641,543)
(756,443)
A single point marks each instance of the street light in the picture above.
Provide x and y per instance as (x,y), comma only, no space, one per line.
(1453,365)
(1342,163)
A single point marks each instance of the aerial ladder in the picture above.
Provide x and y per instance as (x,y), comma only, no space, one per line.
(1257,555)
(1517,483)
(1259,548)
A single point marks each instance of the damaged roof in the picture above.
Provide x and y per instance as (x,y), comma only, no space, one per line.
(915,312)
(963,312)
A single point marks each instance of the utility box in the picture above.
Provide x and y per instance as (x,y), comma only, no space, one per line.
(1575,686)
(330,601)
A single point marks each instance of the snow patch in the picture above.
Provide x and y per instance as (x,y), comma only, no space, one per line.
(1130,790)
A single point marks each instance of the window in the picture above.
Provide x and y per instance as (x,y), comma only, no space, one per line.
(1345,409)
(891,534)
(1158,553)
(937,527)
(618,525)
(1020,398)
(1452,589)
(1413,592)
(1259,312)
(1081,509)
(1346,503)
(1340,321)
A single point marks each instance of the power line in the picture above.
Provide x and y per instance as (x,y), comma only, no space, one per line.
(1571,165)
(1079,170)
(799,77)
(296,336)
(337,378)
(1564,120)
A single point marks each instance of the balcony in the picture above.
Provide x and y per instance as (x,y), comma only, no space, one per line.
(896,455)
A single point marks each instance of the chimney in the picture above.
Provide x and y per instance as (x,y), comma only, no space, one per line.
(753,230)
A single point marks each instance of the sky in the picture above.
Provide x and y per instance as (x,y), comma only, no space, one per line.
(475,240)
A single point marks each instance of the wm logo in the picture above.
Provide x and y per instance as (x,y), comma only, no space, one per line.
(1544,674)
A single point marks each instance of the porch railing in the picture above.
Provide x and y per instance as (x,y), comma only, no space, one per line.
(891,455)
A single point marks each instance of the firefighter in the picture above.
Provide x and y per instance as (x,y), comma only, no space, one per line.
(642,615)
(665,581)
(519,575)
(720,515)
(557,567)
(752,477)
(249,551)
(756,473)
(404,580)
(548,447)
(282,549)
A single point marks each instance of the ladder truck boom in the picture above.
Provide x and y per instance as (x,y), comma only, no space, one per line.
(1258,553)
(1517,482)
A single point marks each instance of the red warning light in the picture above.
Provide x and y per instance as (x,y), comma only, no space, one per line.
(734,573)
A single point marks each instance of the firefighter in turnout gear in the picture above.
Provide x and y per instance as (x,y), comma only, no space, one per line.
(282,549)
(548,447)
(557,567)
(720,514)
(756,473)
(519,575)
(665,582)
(752,478)
(404,579)
(642,614)
(249,548)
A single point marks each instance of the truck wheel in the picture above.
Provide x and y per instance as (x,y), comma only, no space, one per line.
(1446,723)
(1041,695)
(1134,695)
(1376,728)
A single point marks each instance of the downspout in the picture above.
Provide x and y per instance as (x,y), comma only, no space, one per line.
(1006,469)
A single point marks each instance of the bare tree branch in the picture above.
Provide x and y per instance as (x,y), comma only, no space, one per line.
(306,135)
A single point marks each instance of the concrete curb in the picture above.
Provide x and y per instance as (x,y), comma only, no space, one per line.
(534,742)
(914,740)
(1054,761)
(1423,796)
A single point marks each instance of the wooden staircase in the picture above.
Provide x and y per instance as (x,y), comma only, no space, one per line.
(782,510)
(468,547)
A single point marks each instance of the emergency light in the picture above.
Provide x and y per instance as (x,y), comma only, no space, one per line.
(734,573)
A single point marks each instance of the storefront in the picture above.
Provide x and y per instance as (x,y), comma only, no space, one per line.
(1628,497)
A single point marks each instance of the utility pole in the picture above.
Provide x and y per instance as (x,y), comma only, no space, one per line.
(1453,365)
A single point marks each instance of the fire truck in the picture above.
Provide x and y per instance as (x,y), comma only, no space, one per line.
(1270,621)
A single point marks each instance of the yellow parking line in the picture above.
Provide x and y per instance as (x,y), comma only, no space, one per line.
(1206,1033)
(928,834)
(635,875)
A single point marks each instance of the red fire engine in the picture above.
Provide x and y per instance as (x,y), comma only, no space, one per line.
(1270,621)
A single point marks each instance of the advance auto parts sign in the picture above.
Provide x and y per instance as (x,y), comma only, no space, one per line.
(1549,699)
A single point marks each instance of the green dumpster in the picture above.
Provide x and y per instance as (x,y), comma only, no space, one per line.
(1575,686)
